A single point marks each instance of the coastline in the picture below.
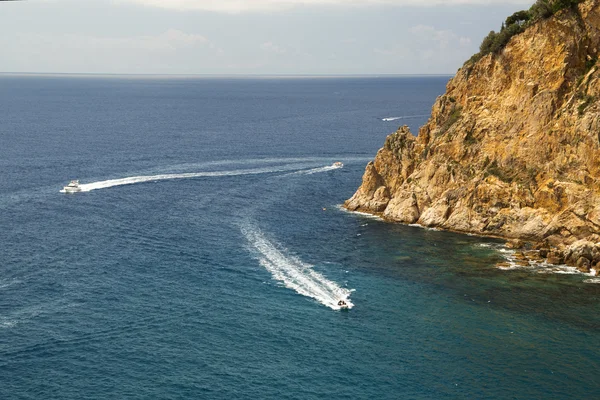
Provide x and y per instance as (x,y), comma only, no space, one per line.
(511,149)
(522,257)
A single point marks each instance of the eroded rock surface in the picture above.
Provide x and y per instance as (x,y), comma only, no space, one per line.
(511,149)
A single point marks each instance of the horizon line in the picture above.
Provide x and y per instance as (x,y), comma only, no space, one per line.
(239,76)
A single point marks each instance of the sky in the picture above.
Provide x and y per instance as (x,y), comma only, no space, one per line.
(246,37)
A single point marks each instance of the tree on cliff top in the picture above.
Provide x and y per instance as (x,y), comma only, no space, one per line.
(518,22)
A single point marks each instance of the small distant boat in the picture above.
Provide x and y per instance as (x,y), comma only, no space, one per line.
(343,305)
(72,187)
(337,164)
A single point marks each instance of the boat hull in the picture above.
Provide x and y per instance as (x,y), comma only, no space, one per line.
(68,190)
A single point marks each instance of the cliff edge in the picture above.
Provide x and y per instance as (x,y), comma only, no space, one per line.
(512,149)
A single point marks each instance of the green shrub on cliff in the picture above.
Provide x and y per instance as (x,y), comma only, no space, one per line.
(541,9)
(519,17)
(499,172)
(518,22)
(590,63)
(587,100)
(495,41)
(561,4)
(452,118)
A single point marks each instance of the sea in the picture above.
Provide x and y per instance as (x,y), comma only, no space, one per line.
(207,251)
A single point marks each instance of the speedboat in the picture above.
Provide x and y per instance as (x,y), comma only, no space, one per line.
(72,187)
(337,164)
(343,305)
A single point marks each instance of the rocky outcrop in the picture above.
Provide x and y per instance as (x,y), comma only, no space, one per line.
(512,149)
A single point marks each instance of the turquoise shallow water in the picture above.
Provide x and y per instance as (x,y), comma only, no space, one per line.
(222,284)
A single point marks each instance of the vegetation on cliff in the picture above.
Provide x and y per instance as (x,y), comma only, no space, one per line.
(512,149)
(518,22)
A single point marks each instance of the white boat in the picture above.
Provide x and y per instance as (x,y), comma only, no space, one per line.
(337,164)
(72,187)
(343,305)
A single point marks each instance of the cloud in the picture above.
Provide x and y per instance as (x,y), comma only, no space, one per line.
(240,6)
(170,51)
(171,39)
(426,49)
(271,47)
(442,38)
(464,41)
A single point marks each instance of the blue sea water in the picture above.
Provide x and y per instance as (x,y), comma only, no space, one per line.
(207,253)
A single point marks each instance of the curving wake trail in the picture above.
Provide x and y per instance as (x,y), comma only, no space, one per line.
(388,119)
(294,273)
(315,170)
(87,187)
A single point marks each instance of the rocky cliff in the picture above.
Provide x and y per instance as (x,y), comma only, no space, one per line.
(512,149)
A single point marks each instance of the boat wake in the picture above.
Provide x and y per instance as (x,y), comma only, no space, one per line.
(293,272)
(388,119)
(87,187)
(315,170)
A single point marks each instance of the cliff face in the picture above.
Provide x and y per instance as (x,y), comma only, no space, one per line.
(512,149)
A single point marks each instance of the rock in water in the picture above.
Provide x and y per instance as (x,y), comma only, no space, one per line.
(511,149)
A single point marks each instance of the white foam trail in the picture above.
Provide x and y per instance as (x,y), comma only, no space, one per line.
(5,284)
(6,323)
(294,273)
(86,187)
(315,170)
(274,160)
(28,313)
(388,119)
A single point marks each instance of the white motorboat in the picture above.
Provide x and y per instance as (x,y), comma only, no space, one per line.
(343,305)
(337,164)
(72,187)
